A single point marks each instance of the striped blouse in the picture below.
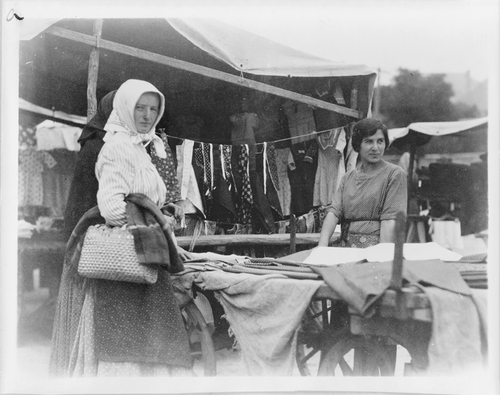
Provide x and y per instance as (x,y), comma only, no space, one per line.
(124,167)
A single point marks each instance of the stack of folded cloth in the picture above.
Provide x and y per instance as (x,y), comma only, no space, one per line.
(474,270)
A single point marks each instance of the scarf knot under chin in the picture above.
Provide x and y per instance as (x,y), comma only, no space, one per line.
(115,125)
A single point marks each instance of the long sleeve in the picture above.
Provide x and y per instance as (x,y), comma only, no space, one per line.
(115,170)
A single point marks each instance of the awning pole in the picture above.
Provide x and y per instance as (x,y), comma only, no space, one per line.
(411,166)
(93,72)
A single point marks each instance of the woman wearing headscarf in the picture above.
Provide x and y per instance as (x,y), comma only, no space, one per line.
(83,192)
(370,196)
(115,328)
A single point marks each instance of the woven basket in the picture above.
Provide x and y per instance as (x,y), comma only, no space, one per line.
(109,254)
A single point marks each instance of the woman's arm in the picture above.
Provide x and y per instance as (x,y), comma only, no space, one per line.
(329,225)
(115,169)
(387,231)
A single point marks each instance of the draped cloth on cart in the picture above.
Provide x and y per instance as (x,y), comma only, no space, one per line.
(264,312)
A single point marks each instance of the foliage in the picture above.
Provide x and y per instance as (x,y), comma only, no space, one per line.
(414,97)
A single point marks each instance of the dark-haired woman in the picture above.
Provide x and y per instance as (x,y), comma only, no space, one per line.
(370,196)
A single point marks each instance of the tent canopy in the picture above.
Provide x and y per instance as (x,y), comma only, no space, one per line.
(438,128)
(54,68)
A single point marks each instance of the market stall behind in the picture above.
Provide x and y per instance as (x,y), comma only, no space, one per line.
(451,179)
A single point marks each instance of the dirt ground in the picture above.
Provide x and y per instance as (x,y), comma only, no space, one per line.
(34,334)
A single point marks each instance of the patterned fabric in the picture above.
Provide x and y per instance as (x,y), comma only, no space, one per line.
(226,151)
(359,240)
(30,185)
(246,202)
(271,162)
(27,137)
(207,166)
(166,169)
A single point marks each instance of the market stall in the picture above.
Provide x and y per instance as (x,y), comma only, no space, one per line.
(237,105)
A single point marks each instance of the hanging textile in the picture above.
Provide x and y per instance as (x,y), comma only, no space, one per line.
(245,202)
(191,200)
(301,123)
(31,166)
(328,172)
(284,192)
(270,158)
(208,169)
(302,173)
(57,181)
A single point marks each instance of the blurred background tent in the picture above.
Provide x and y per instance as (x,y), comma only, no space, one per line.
(450,162)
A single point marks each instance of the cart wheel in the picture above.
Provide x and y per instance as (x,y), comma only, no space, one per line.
(200,338)
(317,335)
(356,356)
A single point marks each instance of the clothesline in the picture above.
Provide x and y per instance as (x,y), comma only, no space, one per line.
(302,136)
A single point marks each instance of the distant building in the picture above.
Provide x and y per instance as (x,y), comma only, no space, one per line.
(469,91)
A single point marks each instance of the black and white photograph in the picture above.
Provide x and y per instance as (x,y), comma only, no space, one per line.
(249,197)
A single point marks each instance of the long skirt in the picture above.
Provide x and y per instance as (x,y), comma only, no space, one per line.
(108,328)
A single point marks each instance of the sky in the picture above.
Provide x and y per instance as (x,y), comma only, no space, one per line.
(431,36)
(437,37)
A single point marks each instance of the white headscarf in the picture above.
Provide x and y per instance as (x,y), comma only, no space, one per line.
(121,119)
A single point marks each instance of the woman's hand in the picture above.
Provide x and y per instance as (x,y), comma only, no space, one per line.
(170,222)
(175,210)
(184,254)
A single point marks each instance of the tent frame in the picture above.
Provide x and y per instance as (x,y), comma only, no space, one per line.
(96,43)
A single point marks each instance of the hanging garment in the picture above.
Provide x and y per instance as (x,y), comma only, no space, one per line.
(300,121)
(284,191)
(167,171)
(244,126)
(57,181)
(302,175)
(329,161)
(53,135)
(189,191)
(31,166)
(27,137)
(270,160)
(244,196)
(351,156)
(223,207)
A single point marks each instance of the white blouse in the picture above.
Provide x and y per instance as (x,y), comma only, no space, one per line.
(124,167)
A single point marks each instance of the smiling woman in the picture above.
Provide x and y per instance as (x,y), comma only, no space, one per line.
(369,197)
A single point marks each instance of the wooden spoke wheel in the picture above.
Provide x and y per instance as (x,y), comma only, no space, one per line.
(354,355)
(318,334)
(200,338)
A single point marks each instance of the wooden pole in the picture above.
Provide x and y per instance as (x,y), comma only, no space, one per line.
(93,71)
(201,70)
(411,168)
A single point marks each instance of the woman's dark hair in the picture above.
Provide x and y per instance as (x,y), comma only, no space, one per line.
(365,128)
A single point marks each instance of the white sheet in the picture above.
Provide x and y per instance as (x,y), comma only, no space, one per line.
(379,253)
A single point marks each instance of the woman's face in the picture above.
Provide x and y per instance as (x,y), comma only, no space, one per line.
(372,148)
(146,111)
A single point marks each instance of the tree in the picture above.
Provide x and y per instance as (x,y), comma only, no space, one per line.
(414,97)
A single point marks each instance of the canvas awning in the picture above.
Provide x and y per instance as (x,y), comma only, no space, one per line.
(242,50)
(205,68)
(437,128)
